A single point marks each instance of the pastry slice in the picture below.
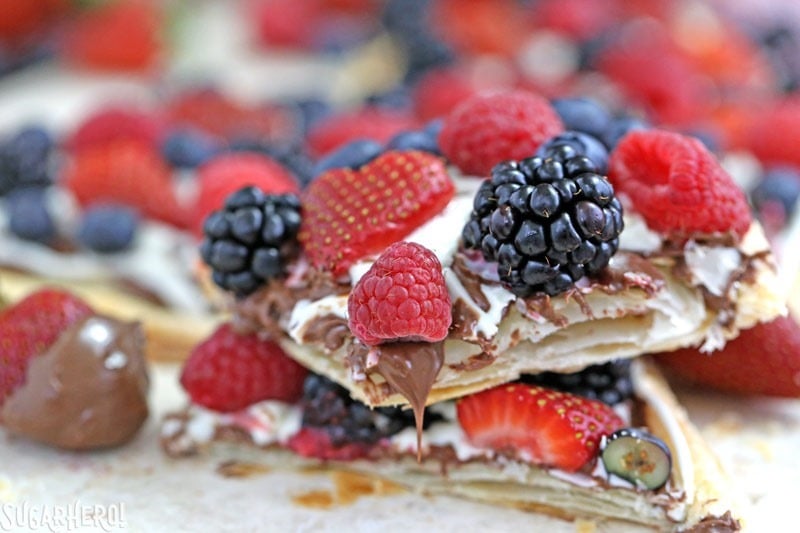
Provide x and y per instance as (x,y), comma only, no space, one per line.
(638,462)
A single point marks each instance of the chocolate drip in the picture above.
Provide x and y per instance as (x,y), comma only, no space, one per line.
(411,369)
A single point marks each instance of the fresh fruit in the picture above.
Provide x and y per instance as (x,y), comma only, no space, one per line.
(773,134)
(116,123)
(583,114)
(29,216)
(230,371)
(352,155)
(497,126)
(678,186)
(492,27)
(609,382)
(439,91)
(763,360)
(349,214)
(547,223)
(401,297)
(29,327)
(286,23)
(227,173)
(189,148)
(424,140)
(619,127)
(775,197)
(108,228)
(637,456)
(318,443)
(20,20)
(25,159)
(548,427)
(129,173)
(371,123)
(250,240)
(572,143)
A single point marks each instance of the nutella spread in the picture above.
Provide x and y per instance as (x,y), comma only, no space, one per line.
(411,368)
(88,390)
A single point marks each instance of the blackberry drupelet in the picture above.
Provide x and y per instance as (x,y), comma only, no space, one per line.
(547,223)
(250,240)
(608,382)
(328,406)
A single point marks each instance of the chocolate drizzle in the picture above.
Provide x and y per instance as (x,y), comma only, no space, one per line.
(411,368)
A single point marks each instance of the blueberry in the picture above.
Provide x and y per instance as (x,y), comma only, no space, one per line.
(780,186)
(434,127)
(188,148)
(29,217)
(397,97)
(619,127)
(414,140)
(575,143)
(108,228)
(638,457)
(309,111)
(24,159)
(352,155)
(583,114)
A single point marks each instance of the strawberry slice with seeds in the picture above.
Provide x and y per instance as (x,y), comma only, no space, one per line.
(549,427)
(348,214)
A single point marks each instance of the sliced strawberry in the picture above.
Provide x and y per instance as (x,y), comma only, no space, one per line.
(551,428)
(763,360)
(126,172)
(348,214)
(29,327)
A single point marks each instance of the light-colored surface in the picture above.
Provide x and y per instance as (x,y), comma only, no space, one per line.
(757,441)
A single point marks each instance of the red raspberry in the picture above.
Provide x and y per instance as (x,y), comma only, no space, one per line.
(126,172)
(677,185)
(20,20)
(115,123)
(311,442)
(401,297)
(286,23)
(368,123)
(29,327)
(497,126)
(230,371)
(228,173)
(349,214)
(774,134)
(120,35)
(579,19)
(480,27)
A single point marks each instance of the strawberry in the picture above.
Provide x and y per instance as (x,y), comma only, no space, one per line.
(230,371)
(29,327)
(401,297)
(18,20)
(763,360)
(375,124)
(349,214)
(116,123)
(121,35)
(551,428)
(774,134)
(126,172)
(226,174)
(287,23)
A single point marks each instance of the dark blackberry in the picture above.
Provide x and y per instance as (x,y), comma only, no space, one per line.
(328,406)
(249,240)
(547,223)
(608,382)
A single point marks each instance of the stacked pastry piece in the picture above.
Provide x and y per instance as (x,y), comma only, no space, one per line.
(479,336)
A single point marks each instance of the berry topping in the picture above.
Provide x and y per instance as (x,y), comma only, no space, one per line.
(328,406)
(583,114)
(189,148)
(372,123)
(571,143)
(401,297)
(551,428)
(125,172)
(250,240)
(608,382)
(108,228)
(678,186)
(351,155)
(29,327)
(24,159)
(349,214)
(226,174)
(546,223)
(775,197)
(763,360)
(116,123)
(638,457)
(29,217)
(497,126)
(230,371)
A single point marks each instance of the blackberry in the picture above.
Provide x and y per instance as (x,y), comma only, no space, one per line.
(547,223)
(328,406)
(608,382)
(249,240)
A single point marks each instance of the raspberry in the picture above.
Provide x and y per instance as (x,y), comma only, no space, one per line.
(249,241)
(230,371)
(129,173)
(497,126)
(224,175)
(546,222)
(29,327)
(774,134)
(401,297)
(678,186)
(114,123)
(370,123)
(349,214)
(478,27)
(287,23)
